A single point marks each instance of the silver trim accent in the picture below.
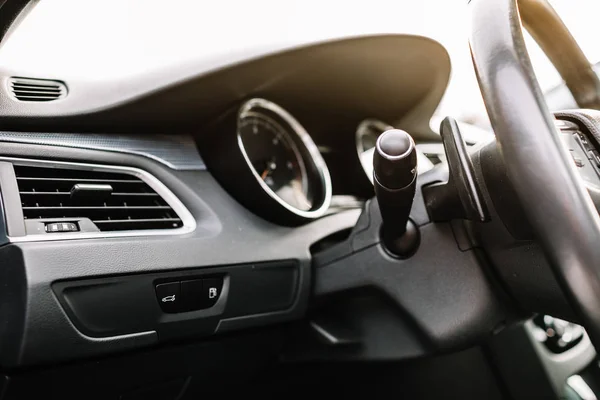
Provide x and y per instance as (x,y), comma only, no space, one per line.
(559,367)
(178,152)
(188,220)
(580,387)
(310,146)
(399,156)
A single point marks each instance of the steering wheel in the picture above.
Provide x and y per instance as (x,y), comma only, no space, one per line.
(542,171)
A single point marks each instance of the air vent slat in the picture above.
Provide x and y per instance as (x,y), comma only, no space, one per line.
(54,88)
(155,223)
(35,92)
(27,178)
(26,85)
(69,193)
(25,88)
(37,89)
(101,208)
(50,85)
(41,97)
(46,193)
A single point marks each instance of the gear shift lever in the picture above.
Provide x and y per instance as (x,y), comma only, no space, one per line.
(395,178)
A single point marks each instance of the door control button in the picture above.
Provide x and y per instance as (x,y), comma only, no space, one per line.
(211,288)
(191,295)
(169,297)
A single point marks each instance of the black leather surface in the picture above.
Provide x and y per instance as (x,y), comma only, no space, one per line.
(590,119)
(544,177)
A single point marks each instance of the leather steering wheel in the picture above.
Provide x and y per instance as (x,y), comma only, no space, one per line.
(541,170)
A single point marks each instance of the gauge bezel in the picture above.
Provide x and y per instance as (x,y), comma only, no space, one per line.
(308,150)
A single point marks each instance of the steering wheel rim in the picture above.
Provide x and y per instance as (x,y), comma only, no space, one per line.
(538,165)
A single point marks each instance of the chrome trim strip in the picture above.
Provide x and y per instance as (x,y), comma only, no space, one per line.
(311,147)
(580,387)
(400,156)
(175,151)
(188,220)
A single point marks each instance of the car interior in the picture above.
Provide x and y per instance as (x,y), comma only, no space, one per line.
(294,221)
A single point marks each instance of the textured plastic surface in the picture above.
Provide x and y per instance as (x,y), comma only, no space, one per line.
(222,225)
(180,97)
(175,151)
(541,170)
(442,289)
(438,273)
(509,242)
(104,306)
(460,197)
(200,369)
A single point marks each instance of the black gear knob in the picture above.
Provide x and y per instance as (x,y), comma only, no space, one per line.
(394,179)
(395,160)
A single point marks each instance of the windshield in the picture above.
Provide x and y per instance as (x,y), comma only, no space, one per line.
(113,39)
(463,98)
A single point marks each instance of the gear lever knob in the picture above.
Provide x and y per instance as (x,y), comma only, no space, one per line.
(394,179)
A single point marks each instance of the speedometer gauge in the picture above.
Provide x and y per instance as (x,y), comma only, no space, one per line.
(276,159)
(284,161)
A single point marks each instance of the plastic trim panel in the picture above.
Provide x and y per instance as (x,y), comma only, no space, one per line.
(175,151)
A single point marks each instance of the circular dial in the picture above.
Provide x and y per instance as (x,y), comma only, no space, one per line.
(275,159)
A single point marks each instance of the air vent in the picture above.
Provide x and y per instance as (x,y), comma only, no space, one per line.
(111,200)
(36,89)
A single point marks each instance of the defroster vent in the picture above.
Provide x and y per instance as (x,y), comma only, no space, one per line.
(36,89)
(113,201)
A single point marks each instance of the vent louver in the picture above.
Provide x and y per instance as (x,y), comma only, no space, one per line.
(36,89)
(113,201)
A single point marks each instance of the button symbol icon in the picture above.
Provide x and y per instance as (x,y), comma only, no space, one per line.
(168,298)
(212,292)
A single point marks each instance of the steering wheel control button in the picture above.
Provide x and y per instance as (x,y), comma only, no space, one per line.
(169,297)
(211,288)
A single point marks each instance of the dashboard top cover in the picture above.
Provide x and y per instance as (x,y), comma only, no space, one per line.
(334,75)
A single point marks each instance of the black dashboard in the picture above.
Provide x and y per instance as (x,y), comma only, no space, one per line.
(184,208)
(272,220)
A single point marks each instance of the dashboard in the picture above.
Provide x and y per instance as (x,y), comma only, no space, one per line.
(273,166)
(189,227)
(241,195)
(190,206)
